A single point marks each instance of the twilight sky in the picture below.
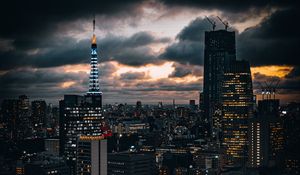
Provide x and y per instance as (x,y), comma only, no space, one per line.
(148,50)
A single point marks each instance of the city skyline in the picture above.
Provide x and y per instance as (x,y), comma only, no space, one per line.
(148,50)
(107,88)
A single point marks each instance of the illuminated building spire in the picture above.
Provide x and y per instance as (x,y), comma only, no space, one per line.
(94,73)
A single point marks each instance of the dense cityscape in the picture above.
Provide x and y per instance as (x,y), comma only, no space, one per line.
(229,127)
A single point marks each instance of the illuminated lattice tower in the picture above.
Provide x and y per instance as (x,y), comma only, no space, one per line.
(94,73)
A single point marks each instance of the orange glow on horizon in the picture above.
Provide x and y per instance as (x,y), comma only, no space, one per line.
(187,79)
(77,68)
(278,71)
(152,72)
(67,84)
(155,72)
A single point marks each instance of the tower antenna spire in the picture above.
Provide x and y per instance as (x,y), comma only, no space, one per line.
(94,75)
(94,21)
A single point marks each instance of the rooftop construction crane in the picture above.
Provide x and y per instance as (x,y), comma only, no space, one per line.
(213,23)
(226,24)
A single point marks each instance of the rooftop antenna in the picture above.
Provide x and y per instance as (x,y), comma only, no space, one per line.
(213,23)
(262,90)
(226,24)
(269,89)
(272,86)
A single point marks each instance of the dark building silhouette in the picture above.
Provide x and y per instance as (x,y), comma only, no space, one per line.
(291,115)
(45,165)
(201,101)
(266,136)
(24,103)
(218,52)
(138,105)
(15,119)
(131,164)
(39,112)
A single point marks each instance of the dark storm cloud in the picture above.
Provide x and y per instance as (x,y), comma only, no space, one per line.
(29,76)
(106,70)
(182,70)
(229,5)
(135,56)
(38,83)
(133,76)
(195,30)
(32,34)
(295,72)
(36,26)
(274,42)
(48,82)
(190,43)
(22,18)
(143,38)
(292,80)
(260,79)
(131,50)
(31,27)
(184,52)
(62,52)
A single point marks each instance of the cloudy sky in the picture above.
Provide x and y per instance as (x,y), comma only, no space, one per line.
(148,50)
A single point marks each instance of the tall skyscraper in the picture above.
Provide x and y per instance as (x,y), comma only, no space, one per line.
(291,115)
(39,110)
(237,107)
(10,119)
(24,103)
(77,117)
(218,52)
(266,136)
(227,94)
(81,135)
(14,119)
